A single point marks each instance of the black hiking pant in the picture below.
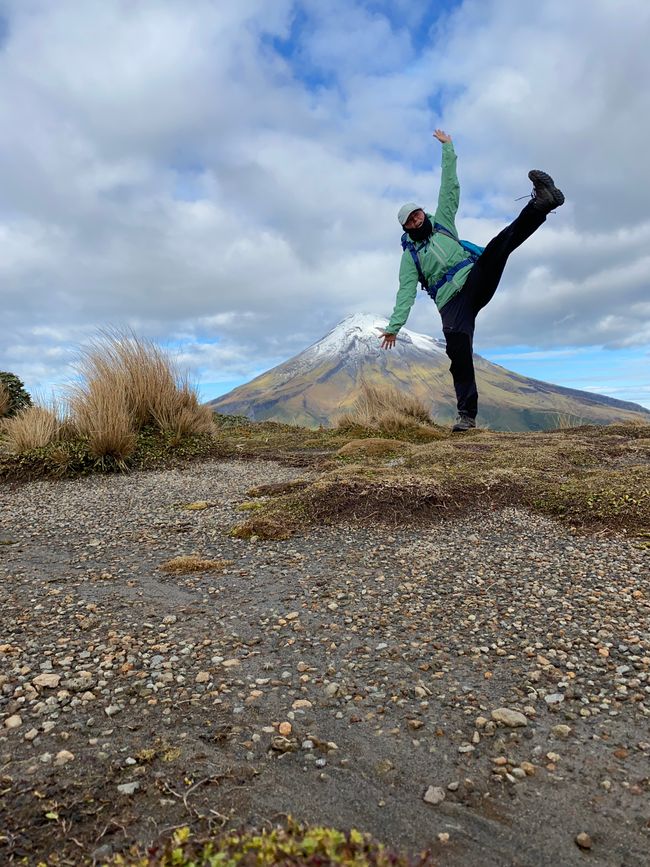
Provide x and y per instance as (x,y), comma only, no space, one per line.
(459,314)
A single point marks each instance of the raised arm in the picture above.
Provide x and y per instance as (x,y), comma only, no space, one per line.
(449,195)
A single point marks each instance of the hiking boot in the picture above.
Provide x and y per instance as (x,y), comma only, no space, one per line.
(463,423)
(546,196)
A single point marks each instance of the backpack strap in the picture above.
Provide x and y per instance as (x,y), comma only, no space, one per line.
(407,244)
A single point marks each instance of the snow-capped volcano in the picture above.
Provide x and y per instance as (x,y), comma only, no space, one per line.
(322,382)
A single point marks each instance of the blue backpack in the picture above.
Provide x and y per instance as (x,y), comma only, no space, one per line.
(473,249)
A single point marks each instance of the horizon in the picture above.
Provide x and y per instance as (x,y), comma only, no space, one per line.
(225,181)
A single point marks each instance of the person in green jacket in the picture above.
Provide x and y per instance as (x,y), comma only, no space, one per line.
(459,282)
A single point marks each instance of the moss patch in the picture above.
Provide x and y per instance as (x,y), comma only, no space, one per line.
(293,846)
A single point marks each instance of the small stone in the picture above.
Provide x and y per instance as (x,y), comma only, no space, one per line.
(293,615)
(301,703)
(553,757)
(63,757)
(554,698)
(31,735)
(528,768)
(561,731)
(128,788)
(434,795)
(203,677)
(443,837)
(231,663)
(508,717)
(169,619)
(583,840)
(13,722)
(331,689)
(47,679)
(453,786)
(519,773)
(284,728)
(112,709)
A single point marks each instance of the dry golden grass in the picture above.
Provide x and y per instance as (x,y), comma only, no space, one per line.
(193,563)
(5,400)
(33,428)
(128,383)
(101,415)
(389,411)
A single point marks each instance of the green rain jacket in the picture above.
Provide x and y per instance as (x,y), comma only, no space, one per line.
(437,254)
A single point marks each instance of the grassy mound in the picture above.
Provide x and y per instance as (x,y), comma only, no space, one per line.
(590,477)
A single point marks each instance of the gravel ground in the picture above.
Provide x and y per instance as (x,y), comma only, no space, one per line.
(479,687)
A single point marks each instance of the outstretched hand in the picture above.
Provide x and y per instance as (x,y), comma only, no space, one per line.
(442,136)
(387,340)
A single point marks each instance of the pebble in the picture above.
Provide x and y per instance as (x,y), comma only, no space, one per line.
(128,788)
(13,722)
(434,795)
(561,731)
(583,840)
(508,717)
(63,757)
(47,680)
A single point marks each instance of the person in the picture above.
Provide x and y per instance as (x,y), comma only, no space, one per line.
(460,283)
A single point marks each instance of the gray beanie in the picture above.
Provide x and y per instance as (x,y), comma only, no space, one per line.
(406,210)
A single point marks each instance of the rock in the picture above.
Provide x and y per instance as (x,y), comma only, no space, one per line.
(112,709)
(231,663)
(47,679)
(301,703)
(561,731)
(284,728)
(63,757)
(554,698)
(31,735)
(453,786)
(443,837)
(434,795)
(13,722)
(508,717)
(283,745)
(128,788)
(528,768)
(203,677)
(331,689)
(583,840)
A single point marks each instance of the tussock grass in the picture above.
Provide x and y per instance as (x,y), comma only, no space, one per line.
(391,412)
(5,400)
(136,380)
(130,407)
(34,427)
(193,563)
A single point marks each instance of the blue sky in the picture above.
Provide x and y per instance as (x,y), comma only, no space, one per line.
(225,178)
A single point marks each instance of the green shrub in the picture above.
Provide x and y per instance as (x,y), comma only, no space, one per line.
(13,395)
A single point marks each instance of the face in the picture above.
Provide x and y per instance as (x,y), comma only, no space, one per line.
(415,220)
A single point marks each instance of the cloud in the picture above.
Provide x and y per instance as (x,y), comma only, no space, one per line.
(227,176)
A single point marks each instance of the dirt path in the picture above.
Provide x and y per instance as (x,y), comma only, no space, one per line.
(386,651)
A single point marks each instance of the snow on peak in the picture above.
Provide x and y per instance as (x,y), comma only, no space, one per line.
(359,334)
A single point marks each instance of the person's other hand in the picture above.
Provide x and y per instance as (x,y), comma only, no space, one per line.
(387,340)
(442,136)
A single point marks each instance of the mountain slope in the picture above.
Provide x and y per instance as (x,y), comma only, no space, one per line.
(322,382)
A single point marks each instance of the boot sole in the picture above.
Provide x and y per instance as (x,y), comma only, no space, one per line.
(541,179)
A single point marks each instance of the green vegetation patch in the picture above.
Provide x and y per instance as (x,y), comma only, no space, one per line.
(293,846)
(594,477)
